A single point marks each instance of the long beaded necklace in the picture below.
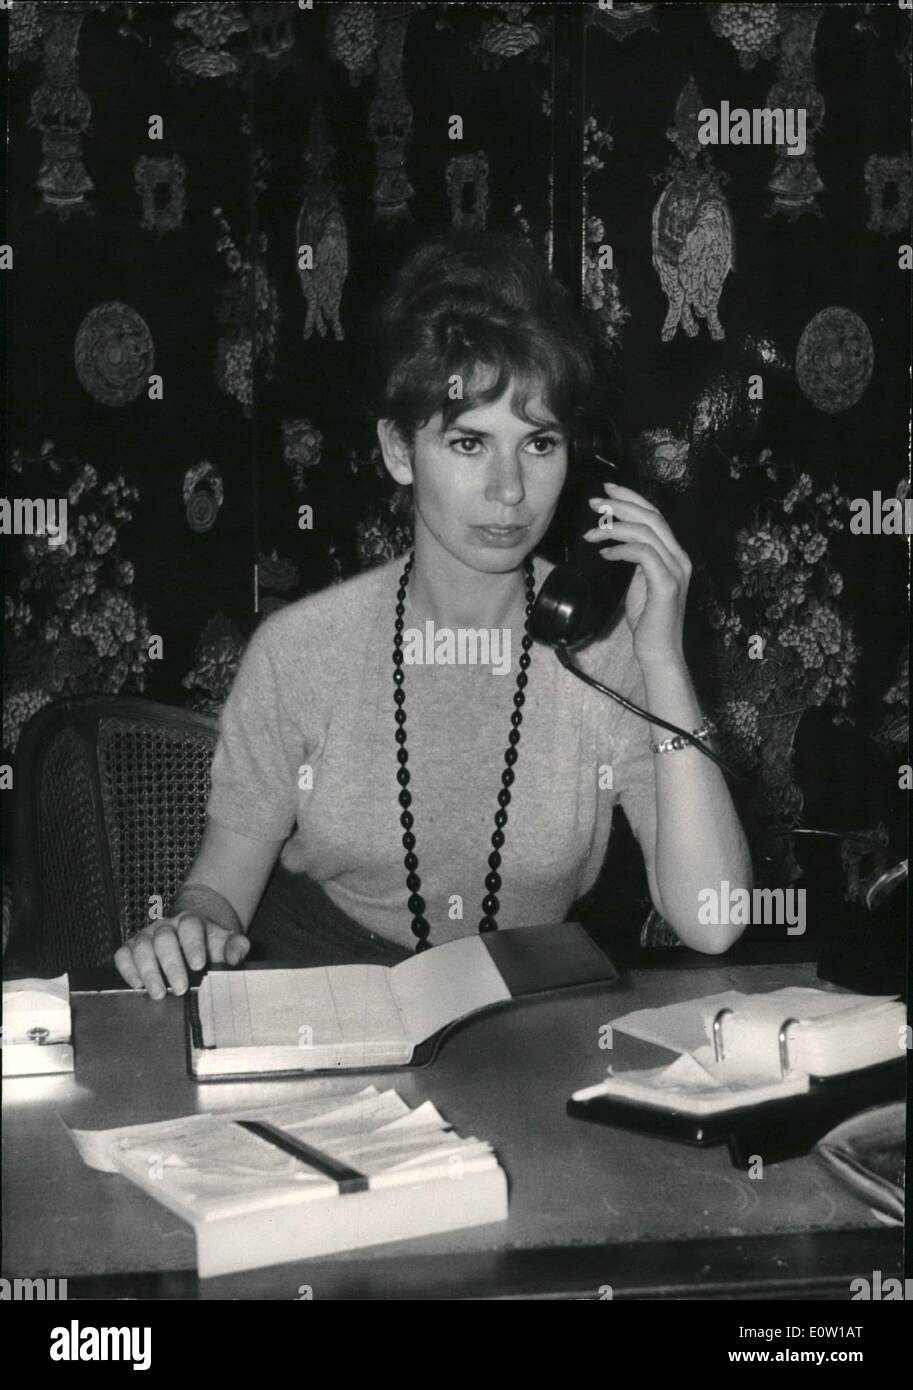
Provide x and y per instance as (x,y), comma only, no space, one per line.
(420,926)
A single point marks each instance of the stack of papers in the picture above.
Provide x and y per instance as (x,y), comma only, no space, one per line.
(307,1178)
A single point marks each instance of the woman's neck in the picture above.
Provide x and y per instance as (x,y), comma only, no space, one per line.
(452,595)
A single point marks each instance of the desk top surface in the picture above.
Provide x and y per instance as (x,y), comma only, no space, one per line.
(505,1076)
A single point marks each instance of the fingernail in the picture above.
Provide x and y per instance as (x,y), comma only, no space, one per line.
(157,993)
(197,962)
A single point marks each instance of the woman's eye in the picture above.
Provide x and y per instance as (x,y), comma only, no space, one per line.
(551,442)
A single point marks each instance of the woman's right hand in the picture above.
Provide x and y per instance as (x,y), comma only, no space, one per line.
(166,948)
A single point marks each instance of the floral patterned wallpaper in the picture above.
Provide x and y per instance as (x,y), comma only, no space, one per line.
(182,375)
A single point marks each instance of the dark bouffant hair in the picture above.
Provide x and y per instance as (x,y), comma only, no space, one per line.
(472,303)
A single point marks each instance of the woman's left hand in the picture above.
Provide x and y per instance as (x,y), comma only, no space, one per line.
(655,601)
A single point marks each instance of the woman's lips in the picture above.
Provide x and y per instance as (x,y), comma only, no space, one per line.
(502,535)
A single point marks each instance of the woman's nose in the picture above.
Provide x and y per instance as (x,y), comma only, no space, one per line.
(505,483)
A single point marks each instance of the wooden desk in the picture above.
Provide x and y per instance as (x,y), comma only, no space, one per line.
(590,1206)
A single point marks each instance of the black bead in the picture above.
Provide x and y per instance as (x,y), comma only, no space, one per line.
(490,904)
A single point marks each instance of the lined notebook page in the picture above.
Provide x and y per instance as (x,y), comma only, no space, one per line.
(318,1007)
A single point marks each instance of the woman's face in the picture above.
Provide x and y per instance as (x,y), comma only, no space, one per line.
(486,487)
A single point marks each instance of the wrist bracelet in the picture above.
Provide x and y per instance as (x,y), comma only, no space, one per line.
(673,745)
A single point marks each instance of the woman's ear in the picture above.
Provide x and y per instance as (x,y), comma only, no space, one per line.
(397,453)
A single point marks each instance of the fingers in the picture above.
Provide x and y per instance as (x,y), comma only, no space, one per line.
(146,962)
(645,538)
(192,936)
(659,579)
(157,957)
(123,959)
(236,948)
(226,947)
(167,948)
(154,958)
(627,494)
(624,505)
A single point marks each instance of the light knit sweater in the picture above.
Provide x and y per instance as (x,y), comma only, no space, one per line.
(313,703)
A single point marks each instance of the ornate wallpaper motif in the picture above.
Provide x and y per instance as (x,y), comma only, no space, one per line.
(160,185)
(114,353)
(321,230)
(795,183)
(61,110)
(693,231)
(834,359)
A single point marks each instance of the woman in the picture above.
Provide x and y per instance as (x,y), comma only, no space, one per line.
(412,801)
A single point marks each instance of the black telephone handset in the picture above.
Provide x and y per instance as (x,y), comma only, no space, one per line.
(583,598)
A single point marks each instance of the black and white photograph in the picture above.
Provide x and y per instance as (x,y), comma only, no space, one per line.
(455,690)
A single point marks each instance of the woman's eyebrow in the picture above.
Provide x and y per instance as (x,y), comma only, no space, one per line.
(485,434)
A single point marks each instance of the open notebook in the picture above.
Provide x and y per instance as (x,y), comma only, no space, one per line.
(264,1021)
(309,1178)
(740,1050)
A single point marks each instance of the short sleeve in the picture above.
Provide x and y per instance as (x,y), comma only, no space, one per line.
(254,774)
